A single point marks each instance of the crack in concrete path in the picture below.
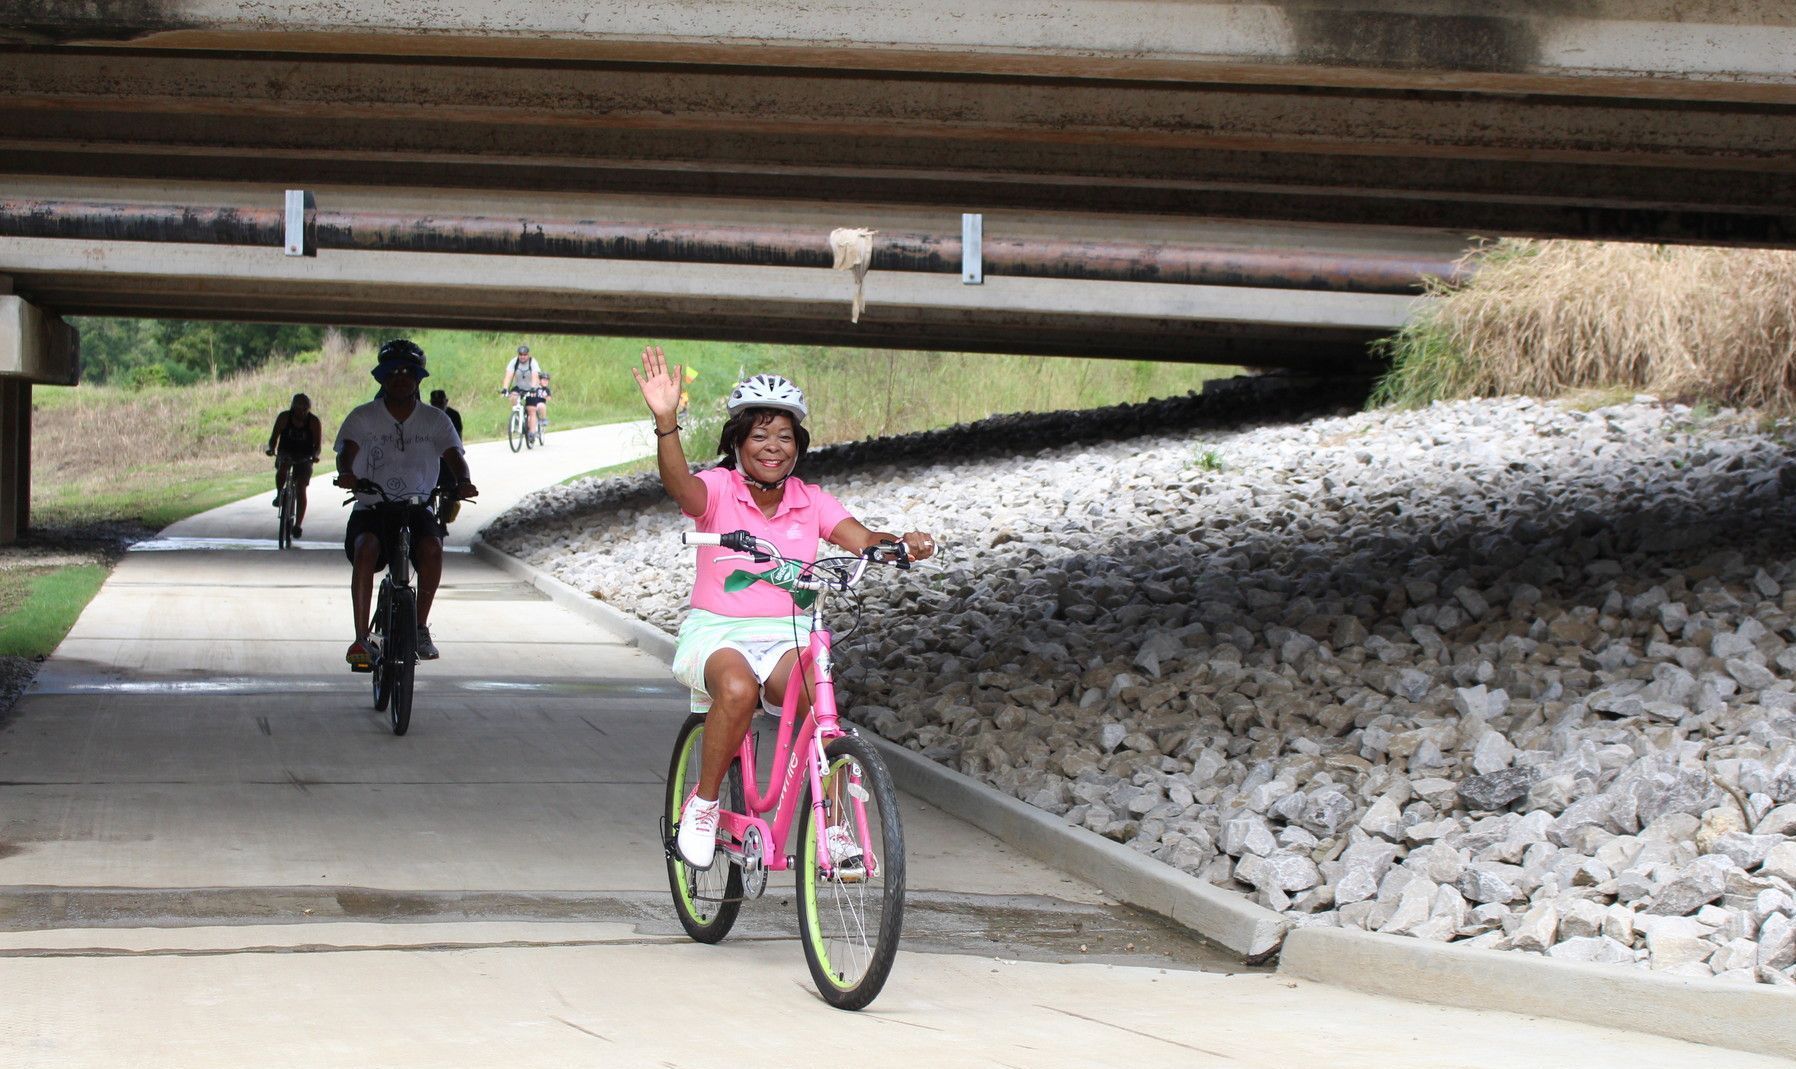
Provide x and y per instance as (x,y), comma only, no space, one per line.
(1021,927)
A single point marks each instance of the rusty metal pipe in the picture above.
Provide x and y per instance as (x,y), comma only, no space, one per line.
(754,246)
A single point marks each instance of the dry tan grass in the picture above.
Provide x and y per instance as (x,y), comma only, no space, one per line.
(94,445)
(1545,317)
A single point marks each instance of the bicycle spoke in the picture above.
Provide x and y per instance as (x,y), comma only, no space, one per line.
(851,912)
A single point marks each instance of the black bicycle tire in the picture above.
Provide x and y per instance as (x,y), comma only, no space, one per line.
(402,654)
(514,430)
(878,781)
(378,630)
(678,787)
(286,538)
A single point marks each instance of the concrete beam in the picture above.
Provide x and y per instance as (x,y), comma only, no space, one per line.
(36,346)
(573,100)
(1201,323)
(1480,162)
(1743,49)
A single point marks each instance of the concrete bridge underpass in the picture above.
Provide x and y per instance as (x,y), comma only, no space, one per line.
(1373,134)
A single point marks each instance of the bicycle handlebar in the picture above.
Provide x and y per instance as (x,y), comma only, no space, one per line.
(797,574)
(368,486)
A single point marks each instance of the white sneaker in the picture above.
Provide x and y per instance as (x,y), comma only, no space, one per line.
(697,839)
(844,853)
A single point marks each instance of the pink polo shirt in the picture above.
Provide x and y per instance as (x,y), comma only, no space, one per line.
(805,515)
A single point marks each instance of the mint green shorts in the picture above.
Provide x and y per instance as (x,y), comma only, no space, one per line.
(761,640)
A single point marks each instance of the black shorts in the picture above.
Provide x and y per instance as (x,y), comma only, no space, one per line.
(383,523)
(298,465)
(534,398)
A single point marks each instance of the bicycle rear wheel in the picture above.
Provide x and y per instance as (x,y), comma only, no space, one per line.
(850,919)
(401,656)
(514,431)
(706,900)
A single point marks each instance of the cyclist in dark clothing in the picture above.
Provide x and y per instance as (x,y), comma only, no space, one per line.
(448,505)
(295,442)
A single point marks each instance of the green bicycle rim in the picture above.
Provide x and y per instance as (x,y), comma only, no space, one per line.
(808,846)
(674,804)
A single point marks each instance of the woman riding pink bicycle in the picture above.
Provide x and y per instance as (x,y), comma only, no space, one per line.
(737,648)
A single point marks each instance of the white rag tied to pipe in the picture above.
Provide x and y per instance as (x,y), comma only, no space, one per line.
(853,247)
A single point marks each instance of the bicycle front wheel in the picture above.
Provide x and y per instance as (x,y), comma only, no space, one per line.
(850,917)
(514,431)
(707,900)
(286,538)
(402,658)
(380,678)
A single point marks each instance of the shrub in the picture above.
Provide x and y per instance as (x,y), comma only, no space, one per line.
(1544,317)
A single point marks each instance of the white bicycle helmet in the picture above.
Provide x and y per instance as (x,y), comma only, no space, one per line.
(768,391)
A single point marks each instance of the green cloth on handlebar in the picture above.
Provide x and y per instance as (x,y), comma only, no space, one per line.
(780,575)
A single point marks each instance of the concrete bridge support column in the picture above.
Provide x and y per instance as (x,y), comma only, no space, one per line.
(15,459)
(35,347)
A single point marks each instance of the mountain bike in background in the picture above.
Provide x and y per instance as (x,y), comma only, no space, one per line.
(517,429)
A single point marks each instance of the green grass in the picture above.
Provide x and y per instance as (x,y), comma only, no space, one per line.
(158,496)
(37,606)
(157,454)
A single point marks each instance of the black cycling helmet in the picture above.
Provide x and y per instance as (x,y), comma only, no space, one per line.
(400,353)
(523,350)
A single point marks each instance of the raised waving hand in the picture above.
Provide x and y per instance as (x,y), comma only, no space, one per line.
(660,386)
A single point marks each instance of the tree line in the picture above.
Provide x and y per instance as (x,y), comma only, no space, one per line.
(180,352)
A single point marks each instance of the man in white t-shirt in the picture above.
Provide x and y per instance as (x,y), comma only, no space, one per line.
(402,444)
(528,375)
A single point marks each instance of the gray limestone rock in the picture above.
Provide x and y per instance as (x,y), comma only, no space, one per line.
(1701,882)
(1539,929)
(1484,883)
(1598,949)
(1496,789)
(1779,860)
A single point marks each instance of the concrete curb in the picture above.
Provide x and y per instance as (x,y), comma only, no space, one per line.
(1748,1017)
(1228,919)
(1757,1019)
(647,637)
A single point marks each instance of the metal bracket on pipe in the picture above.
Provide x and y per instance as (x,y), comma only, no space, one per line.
(972,249)
(301,240)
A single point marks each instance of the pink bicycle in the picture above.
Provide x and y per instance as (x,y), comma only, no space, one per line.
(849,850)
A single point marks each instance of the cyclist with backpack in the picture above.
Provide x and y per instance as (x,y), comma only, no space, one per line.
(295,442)
(528,376)
(736,648)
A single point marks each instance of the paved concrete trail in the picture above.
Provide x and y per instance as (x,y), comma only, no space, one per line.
(214,853)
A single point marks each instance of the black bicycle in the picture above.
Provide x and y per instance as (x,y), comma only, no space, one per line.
(394,628)
(288,504)
(288,498)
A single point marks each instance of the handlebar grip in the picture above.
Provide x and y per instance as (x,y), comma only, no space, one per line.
(740,541)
